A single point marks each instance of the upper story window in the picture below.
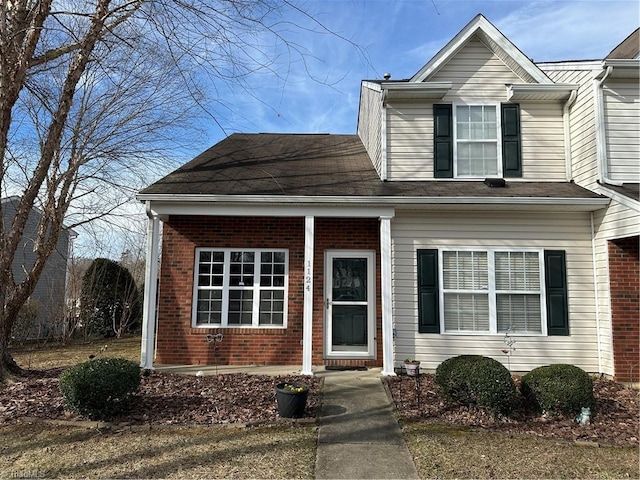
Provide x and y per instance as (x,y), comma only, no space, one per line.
(240,287)
(477,141)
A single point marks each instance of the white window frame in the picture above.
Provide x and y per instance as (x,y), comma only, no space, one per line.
(498,138)
(492,292)
(256,288)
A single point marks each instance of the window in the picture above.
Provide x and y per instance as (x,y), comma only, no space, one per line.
(476,135)
(477,141)
(240,288)
(492,291)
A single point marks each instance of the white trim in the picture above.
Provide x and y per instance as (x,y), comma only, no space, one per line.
(150,292)
(566,129)
(479,23)
(600,126)
(545,92)
(386,296)
(329,352)
(491,290)
(256,288)
(307,315)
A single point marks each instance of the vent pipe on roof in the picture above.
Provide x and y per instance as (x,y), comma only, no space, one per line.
(387,76)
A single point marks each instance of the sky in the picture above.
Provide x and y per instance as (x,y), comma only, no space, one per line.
(377,36)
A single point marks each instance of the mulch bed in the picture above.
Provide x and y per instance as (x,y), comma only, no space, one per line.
(164,399)
(616,421)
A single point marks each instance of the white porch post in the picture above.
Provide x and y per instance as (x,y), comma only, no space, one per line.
(386,299)
(150,291)
(307,317)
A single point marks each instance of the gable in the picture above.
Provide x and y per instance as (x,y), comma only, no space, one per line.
(476,72)
(483,30)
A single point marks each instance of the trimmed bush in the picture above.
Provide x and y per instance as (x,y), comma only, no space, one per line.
(558,389)
(478,381)
(100,389)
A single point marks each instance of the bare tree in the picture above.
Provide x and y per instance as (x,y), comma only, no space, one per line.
(94,93)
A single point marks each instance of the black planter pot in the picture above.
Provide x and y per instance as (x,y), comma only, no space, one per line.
(291,403)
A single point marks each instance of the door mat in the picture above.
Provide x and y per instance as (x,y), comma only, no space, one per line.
(345,368)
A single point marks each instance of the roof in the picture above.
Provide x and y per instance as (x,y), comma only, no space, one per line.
(629,48)
(630,190)
(312,165)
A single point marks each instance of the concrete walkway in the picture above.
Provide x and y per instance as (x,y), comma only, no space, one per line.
(358,435)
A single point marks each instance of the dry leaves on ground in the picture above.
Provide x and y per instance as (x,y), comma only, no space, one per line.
(164,399)
(616,422)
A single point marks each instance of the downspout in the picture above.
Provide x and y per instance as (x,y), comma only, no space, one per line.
(601,141)
(567,134)
(595,291)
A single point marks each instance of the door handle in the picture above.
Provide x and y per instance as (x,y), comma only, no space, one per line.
(327,303)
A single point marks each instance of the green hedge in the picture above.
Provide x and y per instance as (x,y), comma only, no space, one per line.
(479,381)
(100,389)
(558,389)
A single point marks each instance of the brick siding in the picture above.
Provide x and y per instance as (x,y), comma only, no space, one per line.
(624,273)
(179,343)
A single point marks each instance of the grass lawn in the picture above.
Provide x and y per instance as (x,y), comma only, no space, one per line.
(447,452)
(43,451)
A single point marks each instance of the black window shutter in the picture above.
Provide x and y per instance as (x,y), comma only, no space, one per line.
(442,141)
(428,318)
(555,271)
(511,144)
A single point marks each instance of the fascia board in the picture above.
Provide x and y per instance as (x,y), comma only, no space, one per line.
(622,199)
(171,204)
(455,44)
(584,65)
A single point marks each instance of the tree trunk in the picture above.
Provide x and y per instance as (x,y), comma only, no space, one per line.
(8,366)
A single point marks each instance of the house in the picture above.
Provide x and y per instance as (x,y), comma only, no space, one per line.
(43,315)
(450,224)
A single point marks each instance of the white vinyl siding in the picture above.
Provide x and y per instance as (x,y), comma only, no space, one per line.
(501,231)
(240,288)
(622,125)
(370,124)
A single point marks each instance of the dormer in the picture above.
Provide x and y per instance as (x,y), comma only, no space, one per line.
(478,109)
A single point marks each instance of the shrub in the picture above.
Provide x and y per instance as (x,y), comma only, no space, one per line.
(559,389)
(100,388)
(479,381)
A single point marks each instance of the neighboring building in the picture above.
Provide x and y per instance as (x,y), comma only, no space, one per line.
(450,222)
(44,312)
(605,149)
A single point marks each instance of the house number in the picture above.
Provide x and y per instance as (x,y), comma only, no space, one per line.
(307,278)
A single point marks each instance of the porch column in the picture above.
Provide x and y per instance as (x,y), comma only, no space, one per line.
(150,291)
(307,316)
(386,300)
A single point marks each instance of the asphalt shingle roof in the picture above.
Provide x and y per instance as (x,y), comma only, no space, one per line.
(320,165)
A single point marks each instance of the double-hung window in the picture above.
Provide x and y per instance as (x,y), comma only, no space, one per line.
(492,291)
(476,141)
(240,288)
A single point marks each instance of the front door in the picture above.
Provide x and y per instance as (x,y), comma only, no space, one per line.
(350,304)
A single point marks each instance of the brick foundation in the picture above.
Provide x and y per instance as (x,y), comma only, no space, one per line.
(624,273)
(179,343)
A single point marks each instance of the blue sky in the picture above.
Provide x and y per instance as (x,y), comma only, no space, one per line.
(400,37)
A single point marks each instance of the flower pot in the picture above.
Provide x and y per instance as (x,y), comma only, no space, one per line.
(291,398)
(412,369)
